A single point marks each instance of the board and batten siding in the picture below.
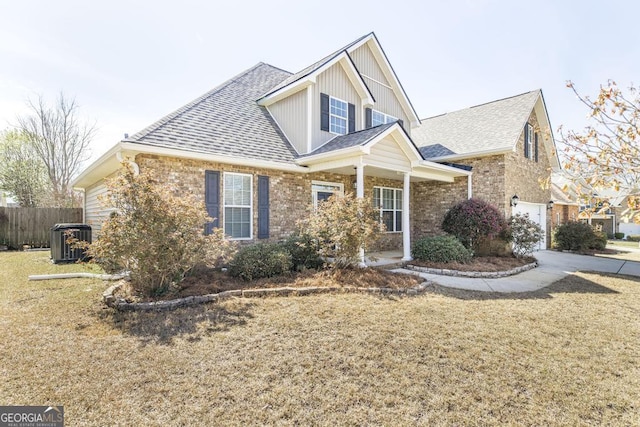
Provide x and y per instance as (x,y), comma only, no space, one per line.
(386,99)
(95,213)
(291,115)
(387,153)
(334,82)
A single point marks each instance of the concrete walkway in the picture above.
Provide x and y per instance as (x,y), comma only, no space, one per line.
(552,266)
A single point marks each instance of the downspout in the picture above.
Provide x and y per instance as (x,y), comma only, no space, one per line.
(469,185)
(134,165)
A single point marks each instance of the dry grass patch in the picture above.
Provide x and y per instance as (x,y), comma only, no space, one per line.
(483,264)
(566,355)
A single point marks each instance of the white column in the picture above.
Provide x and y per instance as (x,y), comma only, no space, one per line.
(360,195)
(406,230)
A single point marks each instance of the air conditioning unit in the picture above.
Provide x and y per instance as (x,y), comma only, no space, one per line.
(61,251)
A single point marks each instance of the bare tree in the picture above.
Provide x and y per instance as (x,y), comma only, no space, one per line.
(61,140)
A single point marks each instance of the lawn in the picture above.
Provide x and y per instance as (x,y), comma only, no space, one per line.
(566,355)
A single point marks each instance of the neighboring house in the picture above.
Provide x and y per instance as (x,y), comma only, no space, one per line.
(509,145)
(266,146)
(565,207)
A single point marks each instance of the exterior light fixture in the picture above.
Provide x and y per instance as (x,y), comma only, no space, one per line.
(550,205)
(514,200)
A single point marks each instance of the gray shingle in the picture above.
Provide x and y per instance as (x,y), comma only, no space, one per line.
(351,139)
(492,126)
(226,121)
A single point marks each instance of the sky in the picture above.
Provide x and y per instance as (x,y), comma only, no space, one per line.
(129,63)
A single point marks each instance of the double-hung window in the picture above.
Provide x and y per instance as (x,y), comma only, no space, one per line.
(378,118)
(338,116)
(238,206)
(389,201)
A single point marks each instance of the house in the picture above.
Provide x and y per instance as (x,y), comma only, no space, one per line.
(510,148)
(267,145)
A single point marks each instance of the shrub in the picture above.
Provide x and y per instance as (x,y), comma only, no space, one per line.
(633,238)
(260,260)
(440,249)
(618,236)
(154,234)
(578,236)
(599,241)
(304,251)
(343,225)
(474,221)
(525,234)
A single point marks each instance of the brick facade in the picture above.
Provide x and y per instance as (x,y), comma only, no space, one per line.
(290,193)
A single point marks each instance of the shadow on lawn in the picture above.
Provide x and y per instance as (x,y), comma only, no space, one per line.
(190,322)
(567,285)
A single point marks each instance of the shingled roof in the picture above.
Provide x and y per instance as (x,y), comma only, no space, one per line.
(351,139)
(226,121)
(487,127)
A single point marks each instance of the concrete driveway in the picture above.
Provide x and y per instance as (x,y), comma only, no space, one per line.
(552,266)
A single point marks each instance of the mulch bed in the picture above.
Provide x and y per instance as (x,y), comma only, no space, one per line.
(215,281)
(480,264)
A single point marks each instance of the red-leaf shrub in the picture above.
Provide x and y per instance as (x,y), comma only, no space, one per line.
(474,221)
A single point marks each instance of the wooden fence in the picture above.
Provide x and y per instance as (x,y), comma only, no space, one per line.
(32,226)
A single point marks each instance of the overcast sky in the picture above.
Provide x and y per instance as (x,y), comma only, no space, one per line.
(128,63)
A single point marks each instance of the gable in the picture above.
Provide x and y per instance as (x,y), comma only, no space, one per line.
(386,100)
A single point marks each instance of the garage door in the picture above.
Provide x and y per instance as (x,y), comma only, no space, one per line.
(537,213)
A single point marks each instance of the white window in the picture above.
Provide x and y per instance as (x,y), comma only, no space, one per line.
(238,206)
(529,142)
(338,116)
(389,201)
(378,118)
(323,190)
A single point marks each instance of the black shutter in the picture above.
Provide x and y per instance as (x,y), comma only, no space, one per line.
(352,118)
(526,140)
(401,123)
(367,118)
(535,146)
(212,199)
(263,207)
(324,112)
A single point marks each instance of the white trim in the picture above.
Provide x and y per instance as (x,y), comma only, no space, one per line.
(395,209)
(314,192)
(469,186)
(406,218)
(386,118)
(376,81)
(310,118)
(225,206)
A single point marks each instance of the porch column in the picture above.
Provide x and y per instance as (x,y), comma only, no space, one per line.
(360,195)
(406,231)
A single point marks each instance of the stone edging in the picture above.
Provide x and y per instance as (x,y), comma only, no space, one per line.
(484,274)
(121,305)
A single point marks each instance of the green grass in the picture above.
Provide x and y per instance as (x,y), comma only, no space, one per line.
(622,243)
(566,355)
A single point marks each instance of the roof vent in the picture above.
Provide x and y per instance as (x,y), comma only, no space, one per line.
(126,135)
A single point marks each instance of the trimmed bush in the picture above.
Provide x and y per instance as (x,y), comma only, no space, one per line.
(634,238)
(304,251)
(260,260)
(440,249)
(618,236)
(473,222)
(578,236)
